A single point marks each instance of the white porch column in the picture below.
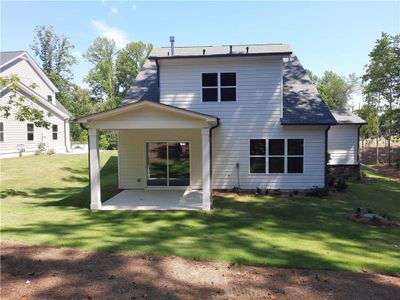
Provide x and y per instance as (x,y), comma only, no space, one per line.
(94,166)
(206,168)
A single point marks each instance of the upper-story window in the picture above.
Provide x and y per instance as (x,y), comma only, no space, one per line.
(50,98)
(218,87)
(30,129)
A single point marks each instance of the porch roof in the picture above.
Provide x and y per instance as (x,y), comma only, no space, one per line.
(146,114)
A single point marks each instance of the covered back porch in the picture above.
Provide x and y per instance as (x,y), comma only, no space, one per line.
(164,159)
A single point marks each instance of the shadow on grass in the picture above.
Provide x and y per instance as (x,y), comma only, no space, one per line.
(300,232)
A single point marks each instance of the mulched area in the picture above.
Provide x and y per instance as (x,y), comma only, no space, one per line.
(41,272)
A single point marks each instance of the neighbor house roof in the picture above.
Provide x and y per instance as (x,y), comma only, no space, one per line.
(344,116)
(225,50)
(6,56)
(302,104)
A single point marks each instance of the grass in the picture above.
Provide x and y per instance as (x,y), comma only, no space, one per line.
(45,200)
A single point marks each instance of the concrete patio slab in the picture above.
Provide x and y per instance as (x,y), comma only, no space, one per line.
(155,200)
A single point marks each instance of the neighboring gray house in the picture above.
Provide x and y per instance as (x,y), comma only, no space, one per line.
(204,118)
(16,135)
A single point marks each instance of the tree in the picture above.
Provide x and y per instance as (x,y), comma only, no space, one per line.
(335,90)
(382,79)
(55,54)
(102,77)
(24,109)
(129,62)
(371,130)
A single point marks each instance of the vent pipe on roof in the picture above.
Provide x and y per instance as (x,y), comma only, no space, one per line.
(230,49)
(247,50)
(204,51)
(172,40)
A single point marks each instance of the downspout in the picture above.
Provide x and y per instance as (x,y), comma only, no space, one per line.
(358,144)
(158,80)
(65,135)
(326,156)
(211,154)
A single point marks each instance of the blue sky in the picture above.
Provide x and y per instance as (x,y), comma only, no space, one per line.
(325,35)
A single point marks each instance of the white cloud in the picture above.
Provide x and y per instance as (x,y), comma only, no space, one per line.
(113,10)
(134,7)
(120,38)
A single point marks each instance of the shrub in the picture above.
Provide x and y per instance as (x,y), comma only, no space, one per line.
(41,147)
(341,185)
(51,152)
(103,142)
(317,192)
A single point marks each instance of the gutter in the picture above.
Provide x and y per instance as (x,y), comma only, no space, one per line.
(222,55)
(158,79)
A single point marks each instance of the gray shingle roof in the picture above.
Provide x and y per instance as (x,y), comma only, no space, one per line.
(225,50)
(343,116)
(6,56)
(145,86)
(62,108)
(301,102)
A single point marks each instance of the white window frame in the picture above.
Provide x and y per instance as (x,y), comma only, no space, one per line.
(218,86)
(33,132)
(54,132)
(265,156)
(2,132)
(285,155)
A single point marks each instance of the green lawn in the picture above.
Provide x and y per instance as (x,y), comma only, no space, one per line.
(45,200)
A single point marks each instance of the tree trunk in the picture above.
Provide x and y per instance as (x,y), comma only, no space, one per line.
(390,133)
(377,150)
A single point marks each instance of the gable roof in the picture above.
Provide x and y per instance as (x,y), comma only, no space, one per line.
(7,56)
(224,50)
(302,104)
(138,104)
(344,116)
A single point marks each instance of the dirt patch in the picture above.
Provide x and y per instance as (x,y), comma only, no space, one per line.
(368,156)
(386,170)
(33,272)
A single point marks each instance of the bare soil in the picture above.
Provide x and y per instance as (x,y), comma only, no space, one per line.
(41,272)
(368,156)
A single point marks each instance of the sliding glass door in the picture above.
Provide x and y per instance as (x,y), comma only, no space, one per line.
(168,163)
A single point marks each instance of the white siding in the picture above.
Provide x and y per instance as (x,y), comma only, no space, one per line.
(255,114)
(28,76)
(15,132)
(132,154)
(343,144)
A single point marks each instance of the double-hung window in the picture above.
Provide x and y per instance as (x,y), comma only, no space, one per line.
(55,131)
(276,156)
(257,156)
(218,86)
(1,132)
(30,129)
(295,155)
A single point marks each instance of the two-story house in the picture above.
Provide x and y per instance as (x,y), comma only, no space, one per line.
(225,117)
(17,137)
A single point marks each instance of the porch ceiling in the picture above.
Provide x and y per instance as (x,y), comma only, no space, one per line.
(155,200)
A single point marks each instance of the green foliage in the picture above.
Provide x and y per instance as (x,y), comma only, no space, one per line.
(114,70)
(24,111)
(370,115)
(83,137)
(111,137)
(103,142)
(102,77)
(389,123)
(335,90)
(129,62)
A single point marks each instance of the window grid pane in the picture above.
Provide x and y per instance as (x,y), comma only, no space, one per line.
(210,94)
(228,79)
(276,147)
(209,79)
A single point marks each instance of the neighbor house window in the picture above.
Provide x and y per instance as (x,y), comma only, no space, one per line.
(295,155)
(276,158)
(55,131)
(30,131)
(257,156)
(218,87)
(1,132)
(49,98)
